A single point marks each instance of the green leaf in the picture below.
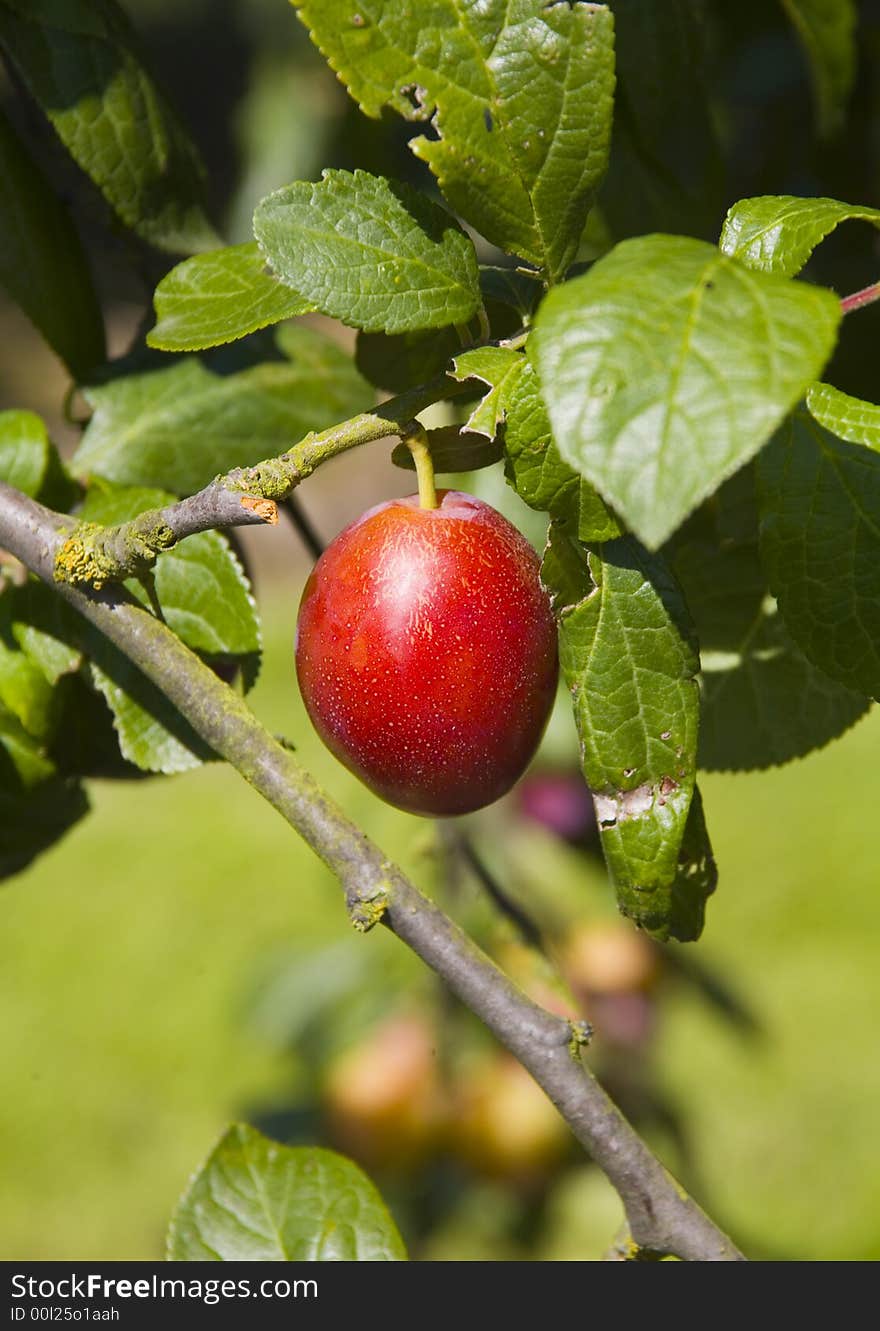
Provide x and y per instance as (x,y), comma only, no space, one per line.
(24,451)
(45,628)
(179,426)
(25,692)
(777,233)
(596,521)
(497,367)
(668,365)
(42,262)
(397,361)
(372,252)
(519,93)
(151,733)
(665,172)
(850,418)
(218,297)
(533,465)
(820,542)
(629,658)
(453,449)
(200,585)
(257,1201)
(86,741)
(36,806)
(82,65)
(538,473)
(827,29)
(763,702)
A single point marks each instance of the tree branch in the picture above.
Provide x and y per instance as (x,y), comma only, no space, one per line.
(661,1216)
(94,556)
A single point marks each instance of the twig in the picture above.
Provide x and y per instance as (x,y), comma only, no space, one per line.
(304,527)
(95,556)
(661,1216)
(527,928)
(858,299)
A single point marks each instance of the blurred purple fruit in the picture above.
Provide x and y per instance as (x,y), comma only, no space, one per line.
(561,802)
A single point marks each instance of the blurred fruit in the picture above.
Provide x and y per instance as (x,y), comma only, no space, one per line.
(627,1020)
(561,802)
(504,1125)
(384,1100)
(609,957)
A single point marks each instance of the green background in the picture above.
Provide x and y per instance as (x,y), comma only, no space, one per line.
(131,952)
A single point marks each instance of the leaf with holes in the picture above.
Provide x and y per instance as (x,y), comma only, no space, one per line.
(629,657)
(777,233)
(372,252)
(668,365)
(820,542)
(218,297)
(257,1201)
(82,66)
(499,368)
(538,473)
(518,91)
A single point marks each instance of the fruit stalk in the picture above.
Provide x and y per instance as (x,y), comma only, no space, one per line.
(415,437)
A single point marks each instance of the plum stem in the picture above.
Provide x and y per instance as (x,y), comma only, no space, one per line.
(415,436)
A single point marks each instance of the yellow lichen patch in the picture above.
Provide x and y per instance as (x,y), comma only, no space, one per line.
(81,558)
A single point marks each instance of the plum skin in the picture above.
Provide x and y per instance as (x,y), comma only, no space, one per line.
(426,652)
